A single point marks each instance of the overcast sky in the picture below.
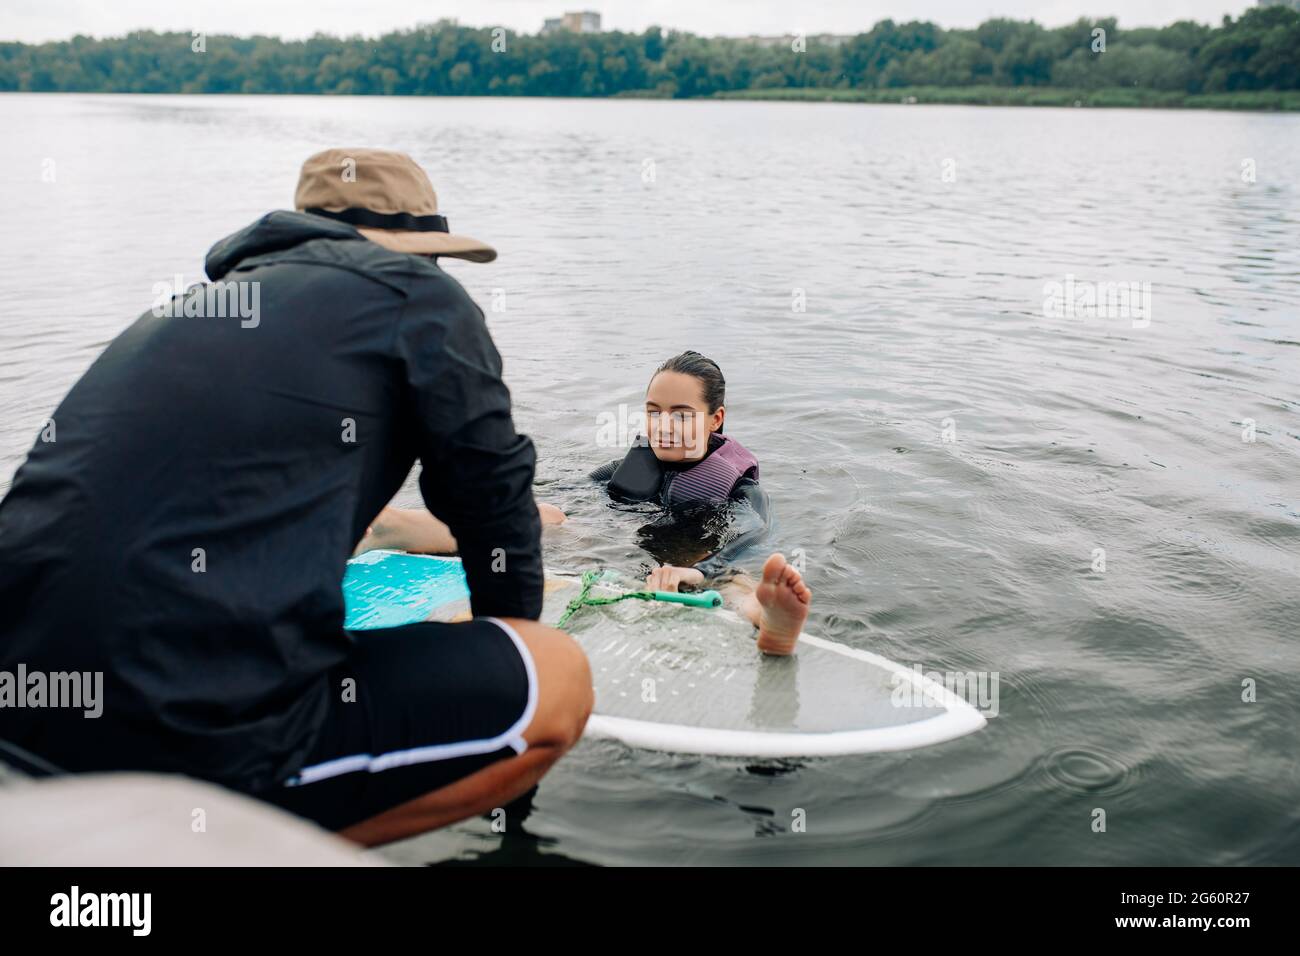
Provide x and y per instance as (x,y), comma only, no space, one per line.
(59,19)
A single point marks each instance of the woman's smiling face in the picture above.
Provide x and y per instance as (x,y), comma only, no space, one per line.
(678,420)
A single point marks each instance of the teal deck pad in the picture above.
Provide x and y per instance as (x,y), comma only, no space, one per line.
(387,589)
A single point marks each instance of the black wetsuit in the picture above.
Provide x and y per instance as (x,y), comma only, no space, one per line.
(747,491)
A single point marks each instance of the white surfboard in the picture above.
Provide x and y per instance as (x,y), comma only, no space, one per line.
(691,680)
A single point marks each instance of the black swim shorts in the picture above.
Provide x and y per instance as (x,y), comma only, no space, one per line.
(412,710)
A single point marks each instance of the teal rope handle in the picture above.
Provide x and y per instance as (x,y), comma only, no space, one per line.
(708,599)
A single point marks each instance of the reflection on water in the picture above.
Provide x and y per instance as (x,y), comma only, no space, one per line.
(687,536)
(949,458)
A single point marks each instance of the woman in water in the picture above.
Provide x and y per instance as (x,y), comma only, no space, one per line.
(688,466)
(685,464)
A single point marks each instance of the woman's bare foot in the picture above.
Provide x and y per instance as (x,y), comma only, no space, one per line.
(381,533)
(550,514)
(784,601)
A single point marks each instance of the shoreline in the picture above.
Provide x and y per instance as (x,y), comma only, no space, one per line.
(1264,101)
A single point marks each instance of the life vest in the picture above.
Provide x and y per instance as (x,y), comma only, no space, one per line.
(642,477)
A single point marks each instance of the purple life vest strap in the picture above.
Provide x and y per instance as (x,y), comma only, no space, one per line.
(713,478)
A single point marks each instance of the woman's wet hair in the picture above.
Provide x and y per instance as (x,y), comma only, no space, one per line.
(705,371)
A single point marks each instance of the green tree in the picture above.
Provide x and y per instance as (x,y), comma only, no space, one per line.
(1258,51)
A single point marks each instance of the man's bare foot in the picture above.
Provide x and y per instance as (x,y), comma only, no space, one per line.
(784,600)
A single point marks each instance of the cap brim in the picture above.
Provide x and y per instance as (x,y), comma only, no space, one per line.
(431,244)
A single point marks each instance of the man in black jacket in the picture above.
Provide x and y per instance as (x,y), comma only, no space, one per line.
(182,524)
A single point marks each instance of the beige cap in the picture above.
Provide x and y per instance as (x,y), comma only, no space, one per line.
(388,197)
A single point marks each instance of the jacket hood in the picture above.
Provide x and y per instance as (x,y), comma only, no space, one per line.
(282,229)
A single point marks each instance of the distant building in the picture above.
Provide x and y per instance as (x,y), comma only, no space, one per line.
(585,21)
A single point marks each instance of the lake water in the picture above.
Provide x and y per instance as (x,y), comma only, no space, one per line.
(954,462)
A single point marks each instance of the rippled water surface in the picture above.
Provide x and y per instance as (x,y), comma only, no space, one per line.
(920,240)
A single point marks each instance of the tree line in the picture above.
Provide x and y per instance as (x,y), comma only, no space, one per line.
(1258,51)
